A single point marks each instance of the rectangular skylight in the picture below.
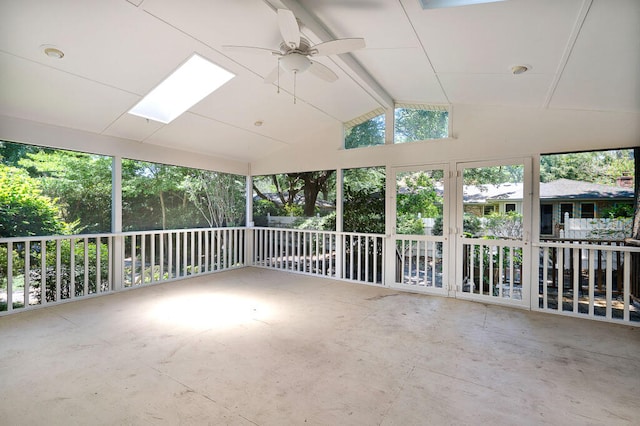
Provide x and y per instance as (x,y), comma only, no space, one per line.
(436,4)
(189,84)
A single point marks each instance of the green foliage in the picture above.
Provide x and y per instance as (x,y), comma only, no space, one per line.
(596,166)
(471,226)
(80,182)
(420,196)
(364,208)
(504,225)
(297,193)
(618,210)
(24,210)
(418,125)
(219,197)
(265,207)
(495,175)
(369,133)
(408,224)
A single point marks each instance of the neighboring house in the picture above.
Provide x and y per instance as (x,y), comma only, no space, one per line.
(575,199)
(558,199)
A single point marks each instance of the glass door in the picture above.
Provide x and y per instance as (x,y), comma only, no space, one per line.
(493,223)
(420,228)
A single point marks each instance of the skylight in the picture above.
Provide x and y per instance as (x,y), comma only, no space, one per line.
(189,84)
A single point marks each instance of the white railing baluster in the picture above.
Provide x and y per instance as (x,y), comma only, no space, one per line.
(98,266)
(560,270)
(375,260)
(58,270)
(576,278)
(609,283)
(10,276)
(626,292)
(27,269)
(86,266)
(592,273)
(43,272)
(545,276)
(143,258)
(502,271)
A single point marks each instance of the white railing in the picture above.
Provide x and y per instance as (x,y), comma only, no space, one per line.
(603,229)
(345,255)
(157,256)
(492,269)
(419,262)
(39,271)
(587,280)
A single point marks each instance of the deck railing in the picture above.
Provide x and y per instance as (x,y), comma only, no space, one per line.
(341,255)
(419,262)
(573,278)
(38,271)
(586,279)
(493,268)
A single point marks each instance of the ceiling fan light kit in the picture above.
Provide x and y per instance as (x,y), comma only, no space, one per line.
(295,53)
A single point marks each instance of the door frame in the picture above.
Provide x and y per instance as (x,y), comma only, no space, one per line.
(458,238)
(392,235)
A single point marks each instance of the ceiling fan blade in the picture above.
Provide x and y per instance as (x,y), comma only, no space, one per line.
(321,71)
(251,49)
(273,75)
(336,47)
(289,28)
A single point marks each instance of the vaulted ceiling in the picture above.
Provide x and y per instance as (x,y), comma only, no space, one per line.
(582,54)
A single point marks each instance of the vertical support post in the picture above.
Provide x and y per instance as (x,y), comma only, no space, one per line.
(249,258)
(339,224)
(117,252)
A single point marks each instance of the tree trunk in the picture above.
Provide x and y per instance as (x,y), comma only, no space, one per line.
(164,213)
(635,234)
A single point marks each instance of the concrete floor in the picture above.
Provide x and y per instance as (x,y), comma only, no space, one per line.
(260,347)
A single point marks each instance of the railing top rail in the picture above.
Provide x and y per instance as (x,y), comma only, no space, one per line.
(604,247)
(313,231)
(494,242)
(110,234)
(53,237)
(169,231)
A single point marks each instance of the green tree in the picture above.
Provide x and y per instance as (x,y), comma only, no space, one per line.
(219,197)
(596,166)
(369,133)
(24,210)
(292,188)
(80,182)
(419,124)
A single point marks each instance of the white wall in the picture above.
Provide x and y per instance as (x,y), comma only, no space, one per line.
(24,131)
(479,133)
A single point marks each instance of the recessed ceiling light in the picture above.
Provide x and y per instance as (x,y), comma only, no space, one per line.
(52,51)
(186,86)
(520,69)
(258,123)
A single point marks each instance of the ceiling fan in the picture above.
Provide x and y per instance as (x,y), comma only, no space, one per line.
(296,51)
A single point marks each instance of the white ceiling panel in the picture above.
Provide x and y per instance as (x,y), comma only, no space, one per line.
(604,67)
(111,42)
(405,73)
(194,133)
(529,90)
(132,127)
(40,93)
(584,54)
(281,119)
(489,38)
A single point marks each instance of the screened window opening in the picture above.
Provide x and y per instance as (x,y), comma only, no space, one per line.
(420,122)
(367,130)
